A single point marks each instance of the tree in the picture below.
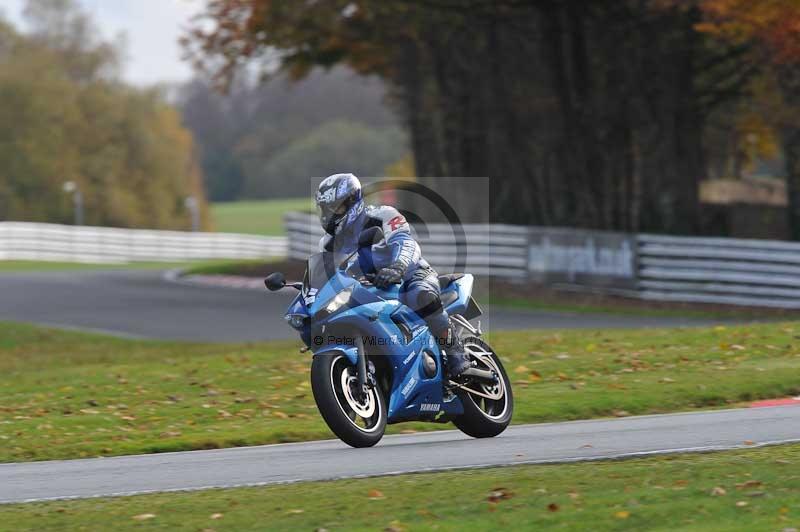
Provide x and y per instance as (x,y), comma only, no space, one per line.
(771,28)
(67,118)
(588,114)
(255,140)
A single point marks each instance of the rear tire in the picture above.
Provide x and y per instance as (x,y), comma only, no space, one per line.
(358,423)
(482,417)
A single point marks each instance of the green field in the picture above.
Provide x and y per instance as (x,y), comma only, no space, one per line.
(256,217)
(68,394)
(756,489)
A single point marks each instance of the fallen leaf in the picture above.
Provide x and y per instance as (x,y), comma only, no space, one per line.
(749,484)
(144,517)
(216,516)
(717,491)
(499,494)
(375,495)
(553,507)
(622,514)
(294,511)
(741,504)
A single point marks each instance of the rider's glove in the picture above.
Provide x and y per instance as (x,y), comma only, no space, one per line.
(387,277)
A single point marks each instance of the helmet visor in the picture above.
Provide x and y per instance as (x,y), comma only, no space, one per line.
(331,213)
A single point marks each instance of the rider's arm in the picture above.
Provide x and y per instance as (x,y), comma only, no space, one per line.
(405,252)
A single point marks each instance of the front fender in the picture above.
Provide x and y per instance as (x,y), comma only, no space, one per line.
(350,351)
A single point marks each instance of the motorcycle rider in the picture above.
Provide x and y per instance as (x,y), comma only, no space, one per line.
(343,215)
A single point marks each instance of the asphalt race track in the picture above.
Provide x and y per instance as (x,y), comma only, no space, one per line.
(143,304)
(331,459)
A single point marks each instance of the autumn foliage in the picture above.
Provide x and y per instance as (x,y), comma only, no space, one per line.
(603,114)
(67,117)
(774,24)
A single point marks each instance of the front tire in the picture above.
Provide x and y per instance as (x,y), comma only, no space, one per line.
(485,417)
(359,422)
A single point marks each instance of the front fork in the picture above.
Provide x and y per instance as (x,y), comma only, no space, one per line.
(366,380)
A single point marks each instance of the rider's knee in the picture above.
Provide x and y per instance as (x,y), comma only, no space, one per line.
(428,301)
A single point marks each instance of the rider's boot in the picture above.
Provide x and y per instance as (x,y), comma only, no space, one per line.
(457,359)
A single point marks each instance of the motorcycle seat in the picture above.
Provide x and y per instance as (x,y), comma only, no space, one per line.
(447,279)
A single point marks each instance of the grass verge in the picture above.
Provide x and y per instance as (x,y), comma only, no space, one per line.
(256,217)
(757,489)
(627,310)
(69,394)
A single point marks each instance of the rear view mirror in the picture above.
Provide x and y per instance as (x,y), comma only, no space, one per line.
(275,281)
(370,237)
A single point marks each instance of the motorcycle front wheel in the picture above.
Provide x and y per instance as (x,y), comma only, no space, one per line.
(357,419)
(487,407)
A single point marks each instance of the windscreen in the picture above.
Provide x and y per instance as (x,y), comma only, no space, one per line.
(320,268)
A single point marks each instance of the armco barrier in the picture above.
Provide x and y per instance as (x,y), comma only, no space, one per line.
(51,242)
(496,250)
(654,267)
(719,270)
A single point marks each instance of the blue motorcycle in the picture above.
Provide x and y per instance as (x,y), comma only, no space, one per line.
(376,363)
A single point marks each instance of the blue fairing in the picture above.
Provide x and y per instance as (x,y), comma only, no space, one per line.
(350,352)
(462,287)
(390,330)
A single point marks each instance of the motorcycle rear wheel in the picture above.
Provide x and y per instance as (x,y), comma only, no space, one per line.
(485,417)
(357,421)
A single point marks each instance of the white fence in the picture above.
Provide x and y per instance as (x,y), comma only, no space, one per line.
(497,250)
(51,242)
(719,270)
(654,267)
